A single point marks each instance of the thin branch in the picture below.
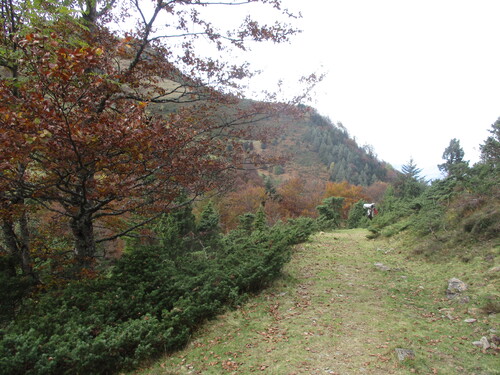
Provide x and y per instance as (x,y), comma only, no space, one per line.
(223,3)
(144,222)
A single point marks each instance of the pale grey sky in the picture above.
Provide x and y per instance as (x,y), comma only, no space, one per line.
(404,76)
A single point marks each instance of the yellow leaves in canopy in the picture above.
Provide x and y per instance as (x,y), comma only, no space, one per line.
(350,193)
(45,133)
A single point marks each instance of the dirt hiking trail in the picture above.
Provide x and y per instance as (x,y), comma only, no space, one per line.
(344,306)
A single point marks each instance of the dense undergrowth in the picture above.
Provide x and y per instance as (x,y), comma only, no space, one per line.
(149,302)
(452,215)
(448,217)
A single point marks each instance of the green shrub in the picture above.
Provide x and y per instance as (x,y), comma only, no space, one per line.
(149,303)
(450,217)
(357,216)
(484,224)
(12,289)
(298,230)
(330,213)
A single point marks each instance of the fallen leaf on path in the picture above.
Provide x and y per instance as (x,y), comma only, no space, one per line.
(380,357)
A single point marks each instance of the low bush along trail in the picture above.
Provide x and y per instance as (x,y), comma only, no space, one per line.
(348,305)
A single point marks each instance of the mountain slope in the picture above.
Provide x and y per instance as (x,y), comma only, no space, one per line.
(314,145)
(311,143)
(336,151)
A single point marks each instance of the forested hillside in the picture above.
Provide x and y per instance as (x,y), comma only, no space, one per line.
(292,160)
(311,144)
(338,152)
(418,294)
(88,165)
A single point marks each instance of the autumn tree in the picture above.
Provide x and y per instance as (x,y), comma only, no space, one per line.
(98,126)
(13,211)
(245,199)
(293,198)
(375,192)
(299,197)
(350,193)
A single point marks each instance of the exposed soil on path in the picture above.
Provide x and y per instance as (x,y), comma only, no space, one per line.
(334,312)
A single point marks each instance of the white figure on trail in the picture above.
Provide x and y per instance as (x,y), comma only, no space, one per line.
(371,211)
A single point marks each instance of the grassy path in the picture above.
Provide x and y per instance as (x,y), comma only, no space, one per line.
(335,312)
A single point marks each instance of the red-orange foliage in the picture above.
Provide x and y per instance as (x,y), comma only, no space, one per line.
(246,199)
(299,197)
(79,136)
(375,192)
(88,147)
(295,197)
(350,193)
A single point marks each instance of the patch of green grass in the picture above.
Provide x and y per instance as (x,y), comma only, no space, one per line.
(334,312)
(437,329)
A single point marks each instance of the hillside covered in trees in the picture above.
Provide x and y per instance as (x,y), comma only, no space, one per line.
(307,143)
(321,145)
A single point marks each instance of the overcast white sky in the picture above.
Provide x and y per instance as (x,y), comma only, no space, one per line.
(404,76)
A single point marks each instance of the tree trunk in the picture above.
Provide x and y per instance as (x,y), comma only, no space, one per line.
(24,247)
(89,13)
(83,233)
(9,237)
(18,245)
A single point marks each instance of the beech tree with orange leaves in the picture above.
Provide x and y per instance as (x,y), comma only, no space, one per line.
(248,198)
(97,126)
(350,193)
(299,197)
(375,192)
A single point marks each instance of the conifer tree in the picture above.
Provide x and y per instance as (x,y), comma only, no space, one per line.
(411,170)
(454,164)
(209,227)
(209,221)
(247,222)
(330,212)
(260,222)
(490,150)
(409,184)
